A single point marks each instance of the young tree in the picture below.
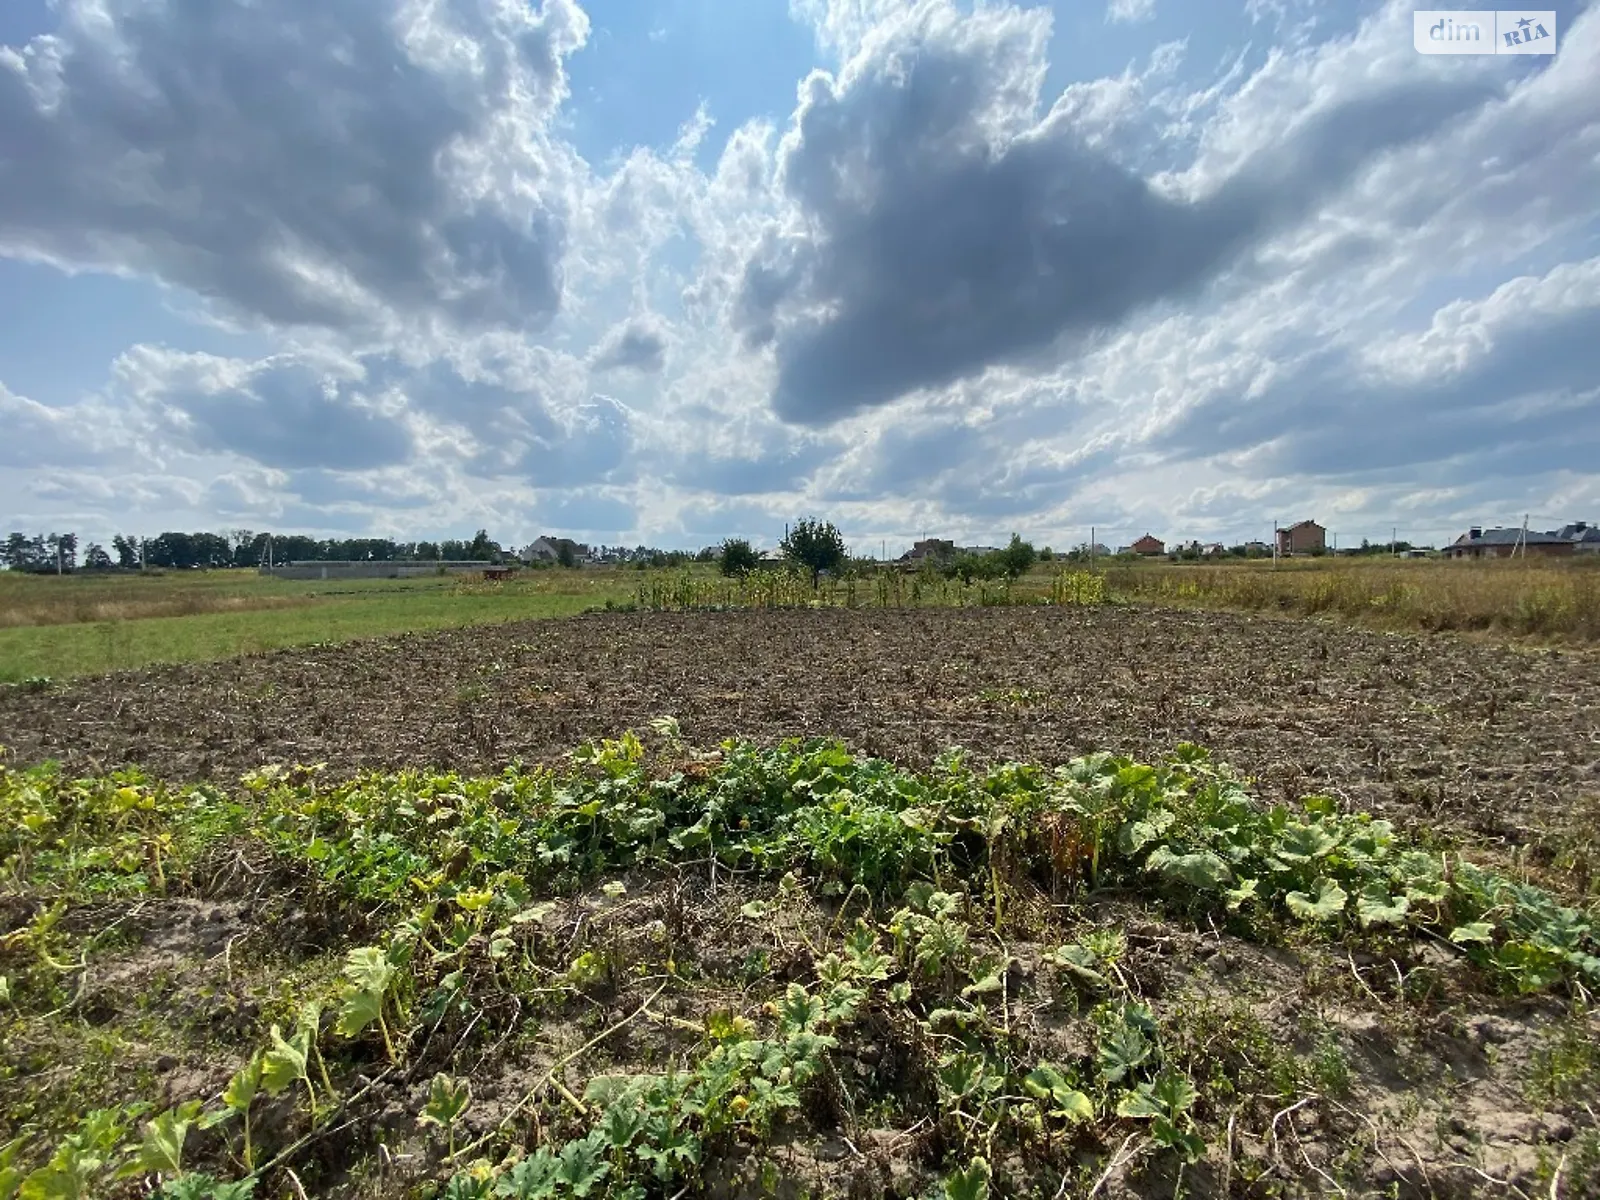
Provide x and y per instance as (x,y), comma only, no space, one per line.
(566,553)
(738,557)
(483,549)
(95,558)
(1016,558)
(815,545)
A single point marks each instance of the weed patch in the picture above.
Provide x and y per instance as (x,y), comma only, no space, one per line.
(656,969)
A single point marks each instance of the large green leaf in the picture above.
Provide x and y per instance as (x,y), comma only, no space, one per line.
(1079,961)
(1136,835)
(1375,906)
(285,1062)
(1139,1103)
(581,1166)
(199,1186)
(369,973)
(1246,893)
(1473,931)
(447,1100)
(1186,1143)
(968,1183)
(1200,870)
(1046,1082)
(1327,902)
(1175,1092)
(161,1151)
(11,1177)
(1301,843)
(368,968)
(1122,1051)
(534,1178)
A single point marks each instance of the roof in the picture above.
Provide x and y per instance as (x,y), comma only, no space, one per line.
(1509,537)
(1579,532)
(1304,525)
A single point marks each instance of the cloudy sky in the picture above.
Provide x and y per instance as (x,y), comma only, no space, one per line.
(672,272)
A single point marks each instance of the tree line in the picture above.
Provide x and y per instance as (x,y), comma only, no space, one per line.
(817,546)
(52,552)
(240,548)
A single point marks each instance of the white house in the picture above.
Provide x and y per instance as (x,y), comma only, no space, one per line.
(548,550)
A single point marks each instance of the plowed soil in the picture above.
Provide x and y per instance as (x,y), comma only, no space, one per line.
(1497,740)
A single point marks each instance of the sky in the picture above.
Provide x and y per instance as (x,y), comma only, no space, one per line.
(676,272)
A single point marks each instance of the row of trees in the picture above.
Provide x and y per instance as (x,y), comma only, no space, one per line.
(48,553)
(810,544)
(818,546)
(240,548)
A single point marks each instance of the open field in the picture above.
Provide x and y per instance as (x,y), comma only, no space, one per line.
(1541,598)
(659,969)
(1494,741)
(87,624)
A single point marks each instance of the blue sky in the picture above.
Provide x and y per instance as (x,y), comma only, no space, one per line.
(674,272)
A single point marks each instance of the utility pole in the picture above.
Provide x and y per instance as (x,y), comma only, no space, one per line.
(1393,530)
(1091,547)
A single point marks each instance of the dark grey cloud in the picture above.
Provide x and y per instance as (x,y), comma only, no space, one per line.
(933,248)
(778,468)
(1527,405)
(636,345)
(589,444)
(708,522)
(522,427)
(549,448)
(309,162)
(280,412)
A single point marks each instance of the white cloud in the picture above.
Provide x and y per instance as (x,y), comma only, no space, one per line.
(1327,276)
(1130,11)
(339,163)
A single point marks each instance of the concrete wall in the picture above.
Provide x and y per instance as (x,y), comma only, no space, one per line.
(370,570)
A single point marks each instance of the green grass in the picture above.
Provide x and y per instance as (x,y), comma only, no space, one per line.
(220,614)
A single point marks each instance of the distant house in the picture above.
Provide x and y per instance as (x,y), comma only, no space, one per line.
(771,558)
(980,550)
(1302,537)
(1149,545)
(1257,548)
(1503,543)
(1585,537)
(1214,550)
(548,550)
(934,548)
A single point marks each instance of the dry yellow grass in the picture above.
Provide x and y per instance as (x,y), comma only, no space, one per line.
(86,598)
(1554,599)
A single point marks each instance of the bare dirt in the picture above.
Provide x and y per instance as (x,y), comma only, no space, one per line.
(1500,742)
